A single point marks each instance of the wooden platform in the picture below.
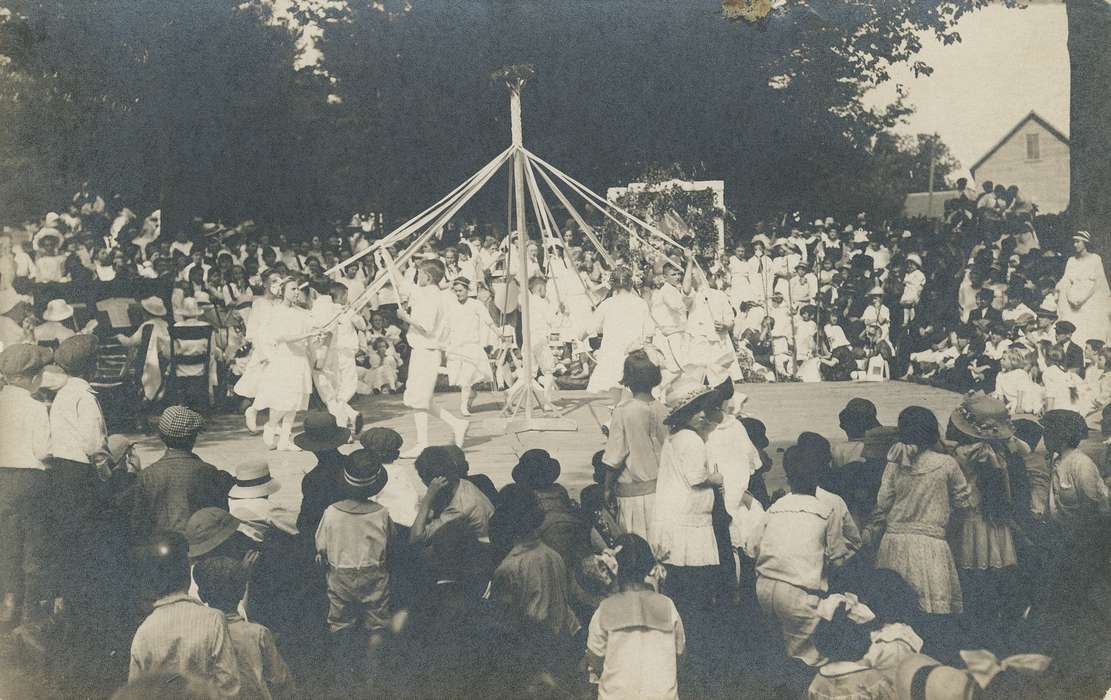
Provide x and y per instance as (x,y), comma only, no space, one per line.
(787,410)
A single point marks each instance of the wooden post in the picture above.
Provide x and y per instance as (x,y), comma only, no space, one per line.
(522,239)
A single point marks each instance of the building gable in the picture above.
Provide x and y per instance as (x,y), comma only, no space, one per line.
(1016,129)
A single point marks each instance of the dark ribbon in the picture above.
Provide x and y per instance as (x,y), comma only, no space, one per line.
(252,482)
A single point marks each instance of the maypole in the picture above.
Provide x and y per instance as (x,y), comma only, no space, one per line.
(515,78)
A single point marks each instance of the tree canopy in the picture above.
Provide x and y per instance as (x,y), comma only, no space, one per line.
(211,108)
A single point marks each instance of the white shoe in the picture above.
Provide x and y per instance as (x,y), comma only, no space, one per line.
(270,437)
(250,416)
(288,447)
(460,429)
(464,411)
(413,452)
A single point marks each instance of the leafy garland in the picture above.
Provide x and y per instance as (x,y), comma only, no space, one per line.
(694,212)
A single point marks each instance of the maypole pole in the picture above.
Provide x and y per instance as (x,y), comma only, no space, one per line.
(516,82)
(515,78)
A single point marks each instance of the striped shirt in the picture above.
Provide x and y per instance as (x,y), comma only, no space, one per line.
(183,636)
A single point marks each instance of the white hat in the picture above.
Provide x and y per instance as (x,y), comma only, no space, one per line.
(57,310)
(829,221)
(153,306)
(253,480)
(860,236)
(915,258)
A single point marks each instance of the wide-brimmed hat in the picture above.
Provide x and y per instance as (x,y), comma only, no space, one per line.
(57,310)
(320,432)
(363,476)
(536,469)
(253,480)
(983,417)
(76,352)
(859,412)
(24,359)
(915,258)
(180,422)
(876,291)
(209,528)
(153,306)
(683,392)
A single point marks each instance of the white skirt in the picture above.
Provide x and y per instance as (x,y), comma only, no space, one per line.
(636,514)
(468,365)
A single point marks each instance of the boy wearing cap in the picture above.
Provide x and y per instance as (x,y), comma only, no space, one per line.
(353,541)
(24,447)
(180,483)
(1073,354)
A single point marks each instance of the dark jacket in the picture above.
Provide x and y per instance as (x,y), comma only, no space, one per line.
(320,489)
(167,492)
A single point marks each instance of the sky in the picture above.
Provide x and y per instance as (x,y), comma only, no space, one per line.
(1010,61)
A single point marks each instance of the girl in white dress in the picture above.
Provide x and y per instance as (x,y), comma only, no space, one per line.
(286,380)
(625,321)
(259,329)
(683,534)
(469,330)
(1083,295)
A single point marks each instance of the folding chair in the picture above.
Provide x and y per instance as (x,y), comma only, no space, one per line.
(188,371)
(119,380)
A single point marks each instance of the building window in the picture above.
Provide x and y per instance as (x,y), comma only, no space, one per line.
(1032,150)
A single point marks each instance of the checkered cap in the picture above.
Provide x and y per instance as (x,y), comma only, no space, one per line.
(180,422)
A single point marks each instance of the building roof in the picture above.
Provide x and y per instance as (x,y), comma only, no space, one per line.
(918,203)
(1021,122)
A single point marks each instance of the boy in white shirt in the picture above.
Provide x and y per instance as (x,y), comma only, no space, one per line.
(426,319)
(338,377)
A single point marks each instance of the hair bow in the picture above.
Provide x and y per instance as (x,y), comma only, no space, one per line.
(855,610)
(983,665)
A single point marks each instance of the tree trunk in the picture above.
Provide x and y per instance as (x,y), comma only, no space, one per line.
(1089,25)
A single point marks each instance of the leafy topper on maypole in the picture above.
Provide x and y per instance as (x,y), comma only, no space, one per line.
(515,75)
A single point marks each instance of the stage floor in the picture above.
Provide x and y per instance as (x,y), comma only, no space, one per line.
(786,409)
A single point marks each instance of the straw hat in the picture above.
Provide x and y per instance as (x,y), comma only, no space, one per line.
(983,417)
(57,310)
(253,480)
(683,392)
(915,258)
(153,306)
(876,291)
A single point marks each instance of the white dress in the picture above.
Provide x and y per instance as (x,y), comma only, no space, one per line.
(684,532)
(259,331)
(705,345)
(1093,318)
(624,321)
(285,382)
(468,333)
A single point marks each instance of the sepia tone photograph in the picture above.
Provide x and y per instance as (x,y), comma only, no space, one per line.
(555,349)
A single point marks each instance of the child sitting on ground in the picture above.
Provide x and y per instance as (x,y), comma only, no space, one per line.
(635,636)
(863,641)
(222,583)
